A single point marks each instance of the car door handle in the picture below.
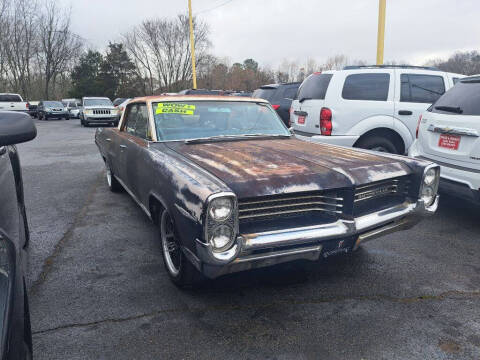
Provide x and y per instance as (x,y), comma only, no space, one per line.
(108,139)
(405,112)
(123,146)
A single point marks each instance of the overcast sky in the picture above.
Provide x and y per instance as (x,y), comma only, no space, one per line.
(272,30)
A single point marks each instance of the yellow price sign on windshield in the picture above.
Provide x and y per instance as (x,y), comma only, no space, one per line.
(175,108)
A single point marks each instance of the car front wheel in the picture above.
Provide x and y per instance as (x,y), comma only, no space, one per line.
(377,143)
(112,182)
(180,270)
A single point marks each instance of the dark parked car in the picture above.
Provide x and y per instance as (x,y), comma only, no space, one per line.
(32,108)
(231,188)
(52,109)
(15,332)
(280,96)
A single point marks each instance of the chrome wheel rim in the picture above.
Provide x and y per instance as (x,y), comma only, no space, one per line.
(109,175)
(171,249)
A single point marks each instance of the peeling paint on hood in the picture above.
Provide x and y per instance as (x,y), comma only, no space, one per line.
(265,167)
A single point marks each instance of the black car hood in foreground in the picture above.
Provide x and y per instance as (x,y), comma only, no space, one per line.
(265,167)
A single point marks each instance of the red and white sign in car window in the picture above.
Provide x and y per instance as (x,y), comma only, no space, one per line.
(301,120)
(449,141)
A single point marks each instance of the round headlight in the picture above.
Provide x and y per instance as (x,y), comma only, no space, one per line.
(220,209)
(221,237)
(428,195)
(430,176)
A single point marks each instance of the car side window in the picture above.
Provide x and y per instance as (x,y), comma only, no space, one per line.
(130,119)
(141,126)
(421,88)
(366,87)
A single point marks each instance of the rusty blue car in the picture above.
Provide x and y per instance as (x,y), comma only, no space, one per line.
(232,189)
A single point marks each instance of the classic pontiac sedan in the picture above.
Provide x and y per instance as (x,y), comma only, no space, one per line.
(231,188)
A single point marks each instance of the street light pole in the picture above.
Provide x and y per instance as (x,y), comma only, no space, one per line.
(381,31)
(192,44)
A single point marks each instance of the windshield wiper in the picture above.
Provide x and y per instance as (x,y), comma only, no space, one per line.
(232,137)
(304,98)
(453,109)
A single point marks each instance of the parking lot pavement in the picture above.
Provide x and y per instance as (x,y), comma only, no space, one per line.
(99,290)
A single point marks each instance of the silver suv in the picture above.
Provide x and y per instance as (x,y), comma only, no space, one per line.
(371,107)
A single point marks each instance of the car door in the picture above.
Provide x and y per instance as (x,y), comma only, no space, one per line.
(364,95)
(123,144)
(137,171)
(415,92)
(9,233)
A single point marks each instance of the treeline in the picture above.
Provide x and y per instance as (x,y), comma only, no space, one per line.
(37,48)
(41,58)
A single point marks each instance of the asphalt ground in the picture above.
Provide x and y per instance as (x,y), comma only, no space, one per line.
(98,288)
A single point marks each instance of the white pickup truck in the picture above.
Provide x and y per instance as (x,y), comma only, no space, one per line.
(12,102)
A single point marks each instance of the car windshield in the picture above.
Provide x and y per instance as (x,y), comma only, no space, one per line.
(97,102)
(56,104)
(206,119)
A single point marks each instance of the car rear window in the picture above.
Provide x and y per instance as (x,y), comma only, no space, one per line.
(314,87)
(10,98)
(265,93)
(421,88)
(463,98)
(366,87)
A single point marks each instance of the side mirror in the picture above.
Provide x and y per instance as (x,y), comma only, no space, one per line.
(290,129)
(16,128)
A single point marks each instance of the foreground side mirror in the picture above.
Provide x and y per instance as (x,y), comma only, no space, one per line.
(291,130)
(16,128)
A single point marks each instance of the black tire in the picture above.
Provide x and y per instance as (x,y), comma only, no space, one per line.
(187,276)
(112,182)
(377,143)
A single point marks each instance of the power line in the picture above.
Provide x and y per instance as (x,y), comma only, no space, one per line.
(215,7)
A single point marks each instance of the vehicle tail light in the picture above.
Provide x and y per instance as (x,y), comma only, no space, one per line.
(27,105)
(275,107)
(418,126)
(326,121)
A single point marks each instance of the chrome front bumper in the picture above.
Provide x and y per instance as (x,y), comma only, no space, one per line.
(273,247)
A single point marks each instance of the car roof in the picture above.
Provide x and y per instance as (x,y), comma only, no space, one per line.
(472,78)
(155,98)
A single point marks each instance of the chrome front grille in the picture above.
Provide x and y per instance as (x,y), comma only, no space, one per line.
(289,205)
(380,194)
(101,112)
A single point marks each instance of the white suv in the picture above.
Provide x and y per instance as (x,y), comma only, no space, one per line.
(371,107)
(449,134)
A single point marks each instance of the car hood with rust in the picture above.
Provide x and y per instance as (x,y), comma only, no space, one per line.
(265,167)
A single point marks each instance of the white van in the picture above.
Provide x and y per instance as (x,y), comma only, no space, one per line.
(371,107)
(449,135)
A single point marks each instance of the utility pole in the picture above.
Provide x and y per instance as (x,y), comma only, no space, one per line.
(192,44)
(381,30)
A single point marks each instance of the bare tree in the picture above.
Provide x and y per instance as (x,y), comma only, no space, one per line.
(19,43)
(58,44)
(161,49)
